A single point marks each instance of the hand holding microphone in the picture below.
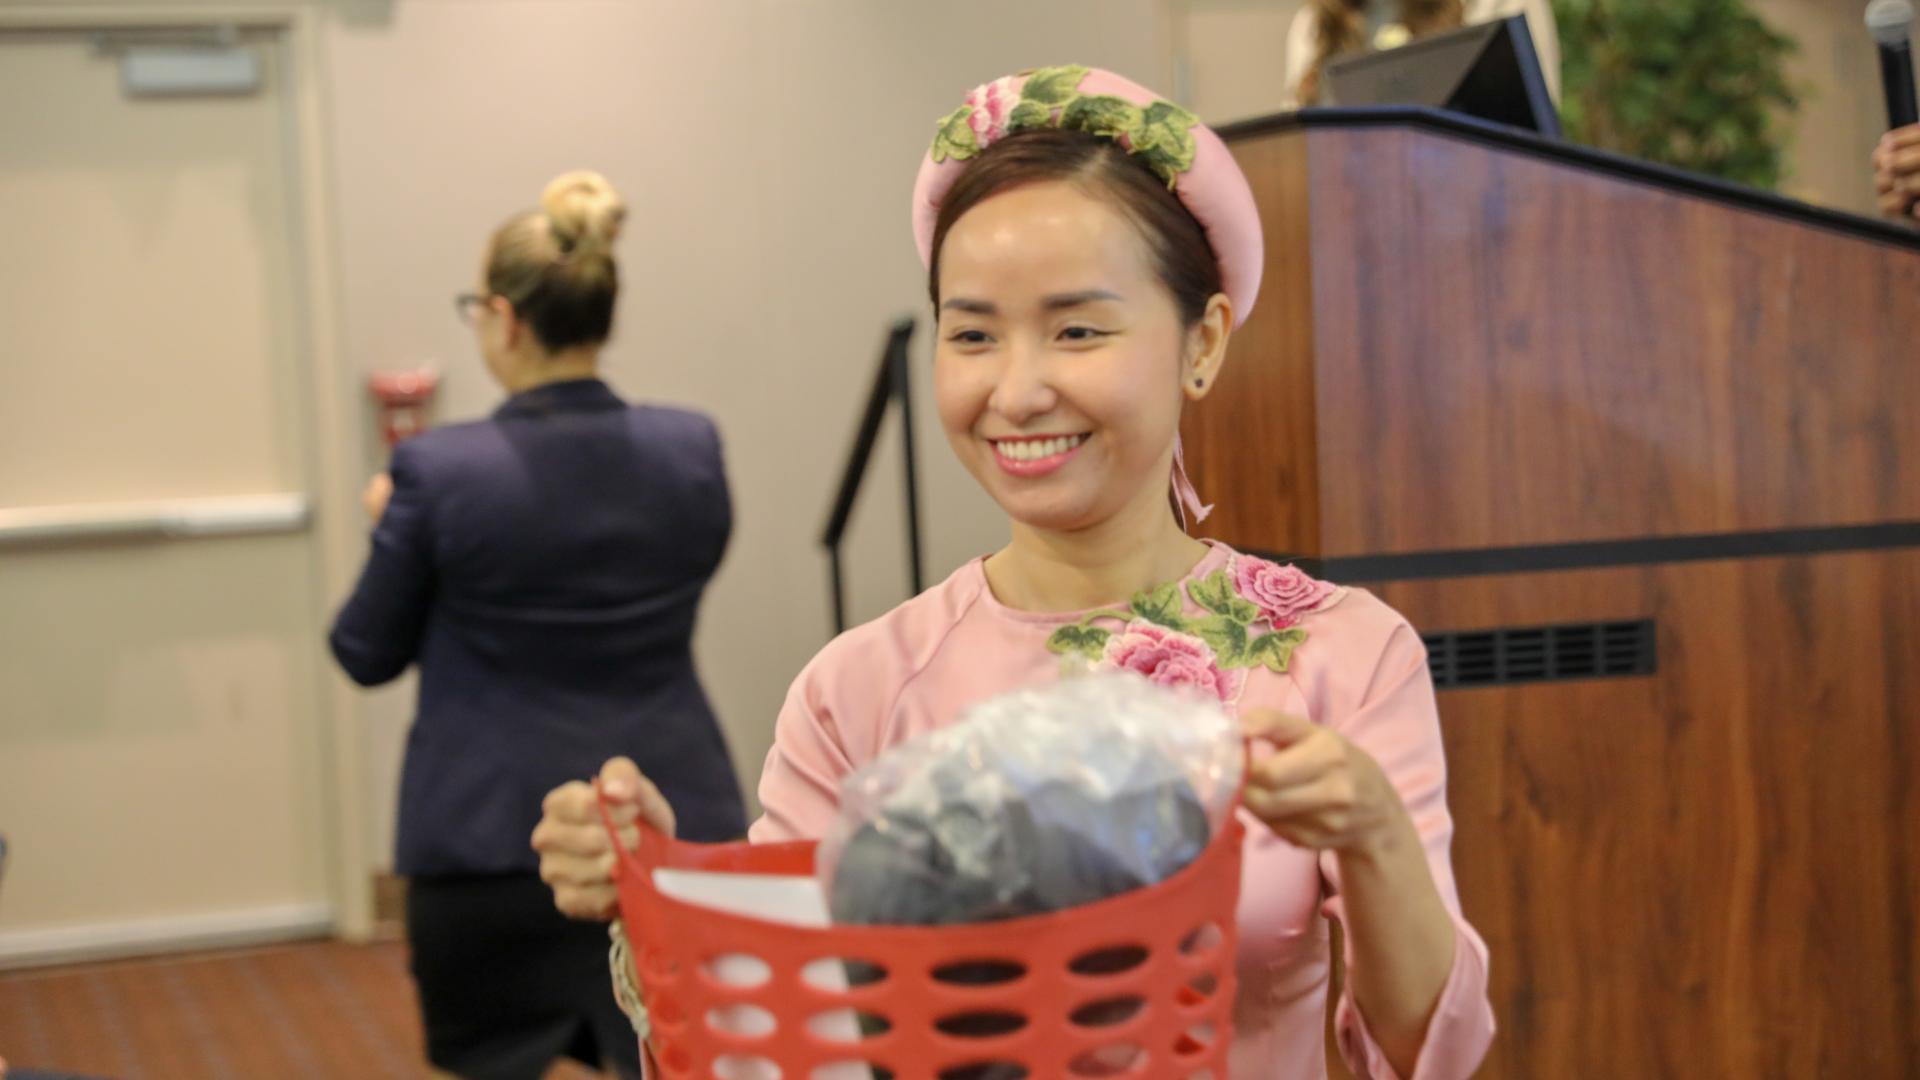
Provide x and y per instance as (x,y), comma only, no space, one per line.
(1896,173)
(1896,162)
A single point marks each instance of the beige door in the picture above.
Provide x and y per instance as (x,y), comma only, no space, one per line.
(160,629)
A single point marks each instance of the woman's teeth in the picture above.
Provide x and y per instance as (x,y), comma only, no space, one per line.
(1035,449)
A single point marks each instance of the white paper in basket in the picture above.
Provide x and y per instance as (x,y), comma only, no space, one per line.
(797,901)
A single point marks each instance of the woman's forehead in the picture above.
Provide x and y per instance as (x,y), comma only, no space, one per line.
(1042,231)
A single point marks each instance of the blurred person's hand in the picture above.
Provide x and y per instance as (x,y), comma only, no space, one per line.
(1896,172)
(374,498)
(576,858)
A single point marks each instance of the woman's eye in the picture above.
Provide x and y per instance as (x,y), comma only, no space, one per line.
(1081,333)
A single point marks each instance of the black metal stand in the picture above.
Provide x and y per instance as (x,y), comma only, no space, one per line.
(891,383)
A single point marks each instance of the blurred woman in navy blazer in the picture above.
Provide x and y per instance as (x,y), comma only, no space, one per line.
(543,567)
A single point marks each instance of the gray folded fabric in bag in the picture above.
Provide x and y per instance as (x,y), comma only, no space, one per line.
(1036,801)
(1042,843)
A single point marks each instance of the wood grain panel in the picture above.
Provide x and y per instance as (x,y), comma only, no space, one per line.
(1251,442)
(1714,871)
(1512,350)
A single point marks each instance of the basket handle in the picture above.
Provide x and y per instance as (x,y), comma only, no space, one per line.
(649,854)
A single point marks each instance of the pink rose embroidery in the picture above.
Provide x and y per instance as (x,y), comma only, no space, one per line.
(1282,593)
(1170,658)
(991,104)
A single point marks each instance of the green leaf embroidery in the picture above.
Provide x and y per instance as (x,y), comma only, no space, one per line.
(1164,139)
(1029,114)
(1214,592)
(1053,86)
(1101,114)
(955,138)
(1160,134)
(1088,641)
(1166,113)
(1161,606)
(1227,639)
(1276,649)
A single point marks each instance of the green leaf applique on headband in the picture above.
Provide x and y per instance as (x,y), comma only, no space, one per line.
(1160,134)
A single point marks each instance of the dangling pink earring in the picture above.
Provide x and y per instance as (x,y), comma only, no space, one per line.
(1186,499)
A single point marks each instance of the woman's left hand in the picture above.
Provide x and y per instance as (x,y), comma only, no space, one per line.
(379,490)
(1317,790)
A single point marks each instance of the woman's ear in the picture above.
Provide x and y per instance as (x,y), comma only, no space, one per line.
(1206,351)
(511,328)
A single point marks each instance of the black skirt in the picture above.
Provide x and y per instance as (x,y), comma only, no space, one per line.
(507,983)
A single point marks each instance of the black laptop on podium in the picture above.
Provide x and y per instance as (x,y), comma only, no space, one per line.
(1488,70)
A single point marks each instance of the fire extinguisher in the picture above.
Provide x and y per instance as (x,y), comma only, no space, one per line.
(403,397)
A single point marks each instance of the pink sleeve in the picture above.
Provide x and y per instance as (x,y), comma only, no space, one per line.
(1398,722)
(800,783)
(838,713)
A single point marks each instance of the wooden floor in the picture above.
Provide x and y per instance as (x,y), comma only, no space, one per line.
(321,1010)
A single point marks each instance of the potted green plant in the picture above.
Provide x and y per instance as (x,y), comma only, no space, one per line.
(1700,84)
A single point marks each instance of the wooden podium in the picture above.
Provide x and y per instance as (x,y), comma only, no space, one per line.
(1639,454)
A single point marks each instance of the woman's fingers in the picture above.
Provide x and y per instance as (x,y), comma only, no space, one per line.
(625,787)
(576,854)
(594,903)
(1301,763)
(1280,729)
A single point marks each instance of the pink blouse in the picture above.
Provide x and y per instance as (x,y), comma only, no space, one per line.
(1337,656)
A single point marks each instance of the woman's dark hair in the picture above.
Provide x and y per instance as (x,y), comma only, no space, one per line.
(555,264)
(1181,254)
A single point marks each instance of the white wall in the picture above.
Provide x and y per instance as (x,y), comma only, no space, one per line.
(767,150)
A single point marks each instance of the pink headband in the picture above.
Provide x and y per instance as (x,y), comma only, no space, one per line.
(1165,137)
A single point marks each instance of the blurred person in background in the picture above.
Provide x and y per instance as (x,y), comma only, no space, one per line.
(543,567)
(1325,29)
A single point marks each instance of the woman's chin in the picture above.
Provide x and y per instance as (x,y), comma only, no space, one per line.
(1051,512)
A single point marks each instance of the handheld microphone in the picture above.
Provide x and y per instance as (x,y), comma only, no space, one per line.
(1891,24)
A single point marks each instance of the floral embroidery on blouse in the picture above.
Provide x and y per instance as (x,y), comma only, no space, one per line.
(1249,616)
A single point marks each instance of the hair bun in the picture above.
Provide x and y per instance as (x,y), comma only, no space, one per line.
(583,210)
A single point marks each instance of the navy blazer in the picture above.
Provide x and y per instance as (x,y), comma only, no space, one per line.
(544,568)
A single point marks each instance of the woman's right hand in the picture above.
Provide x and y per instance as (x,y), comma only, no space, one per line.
(576,859)
(1896,172)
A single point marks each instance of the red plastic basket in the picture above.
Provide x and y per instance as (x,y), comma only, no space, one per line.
(1140,985)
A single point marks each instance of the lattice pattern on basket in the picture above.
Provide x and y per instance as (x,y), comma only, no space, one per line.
(1140,985)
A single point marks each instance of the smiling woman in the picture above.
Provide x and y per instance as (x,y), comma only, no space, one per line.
(1090,249)
(1061,401)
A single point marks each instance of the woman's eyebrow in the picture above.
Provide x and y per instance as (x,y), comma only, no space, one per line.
(1075,299)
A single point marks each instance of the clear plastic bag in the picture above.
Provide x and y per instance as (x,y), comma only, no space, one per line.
(1035,801)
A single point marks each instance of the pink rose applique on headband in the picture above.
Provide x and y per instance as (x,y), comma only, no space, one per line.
(1167,139)
(1159,133)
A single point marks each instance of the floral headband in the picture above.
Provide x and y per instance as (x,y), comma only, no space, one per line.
(1166,138)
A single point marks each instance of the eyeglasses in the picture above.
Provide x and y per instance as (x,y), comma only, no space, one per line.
(469,305)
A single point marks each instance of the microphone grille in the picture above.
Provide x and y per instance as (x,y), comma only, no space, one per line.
(1890,21)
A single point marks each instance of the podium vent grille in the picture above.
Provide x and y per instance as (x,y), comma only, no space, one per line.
(1529,654)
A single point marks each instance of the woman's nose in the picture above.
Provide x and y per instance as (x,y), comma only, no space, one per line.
(1022,391)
